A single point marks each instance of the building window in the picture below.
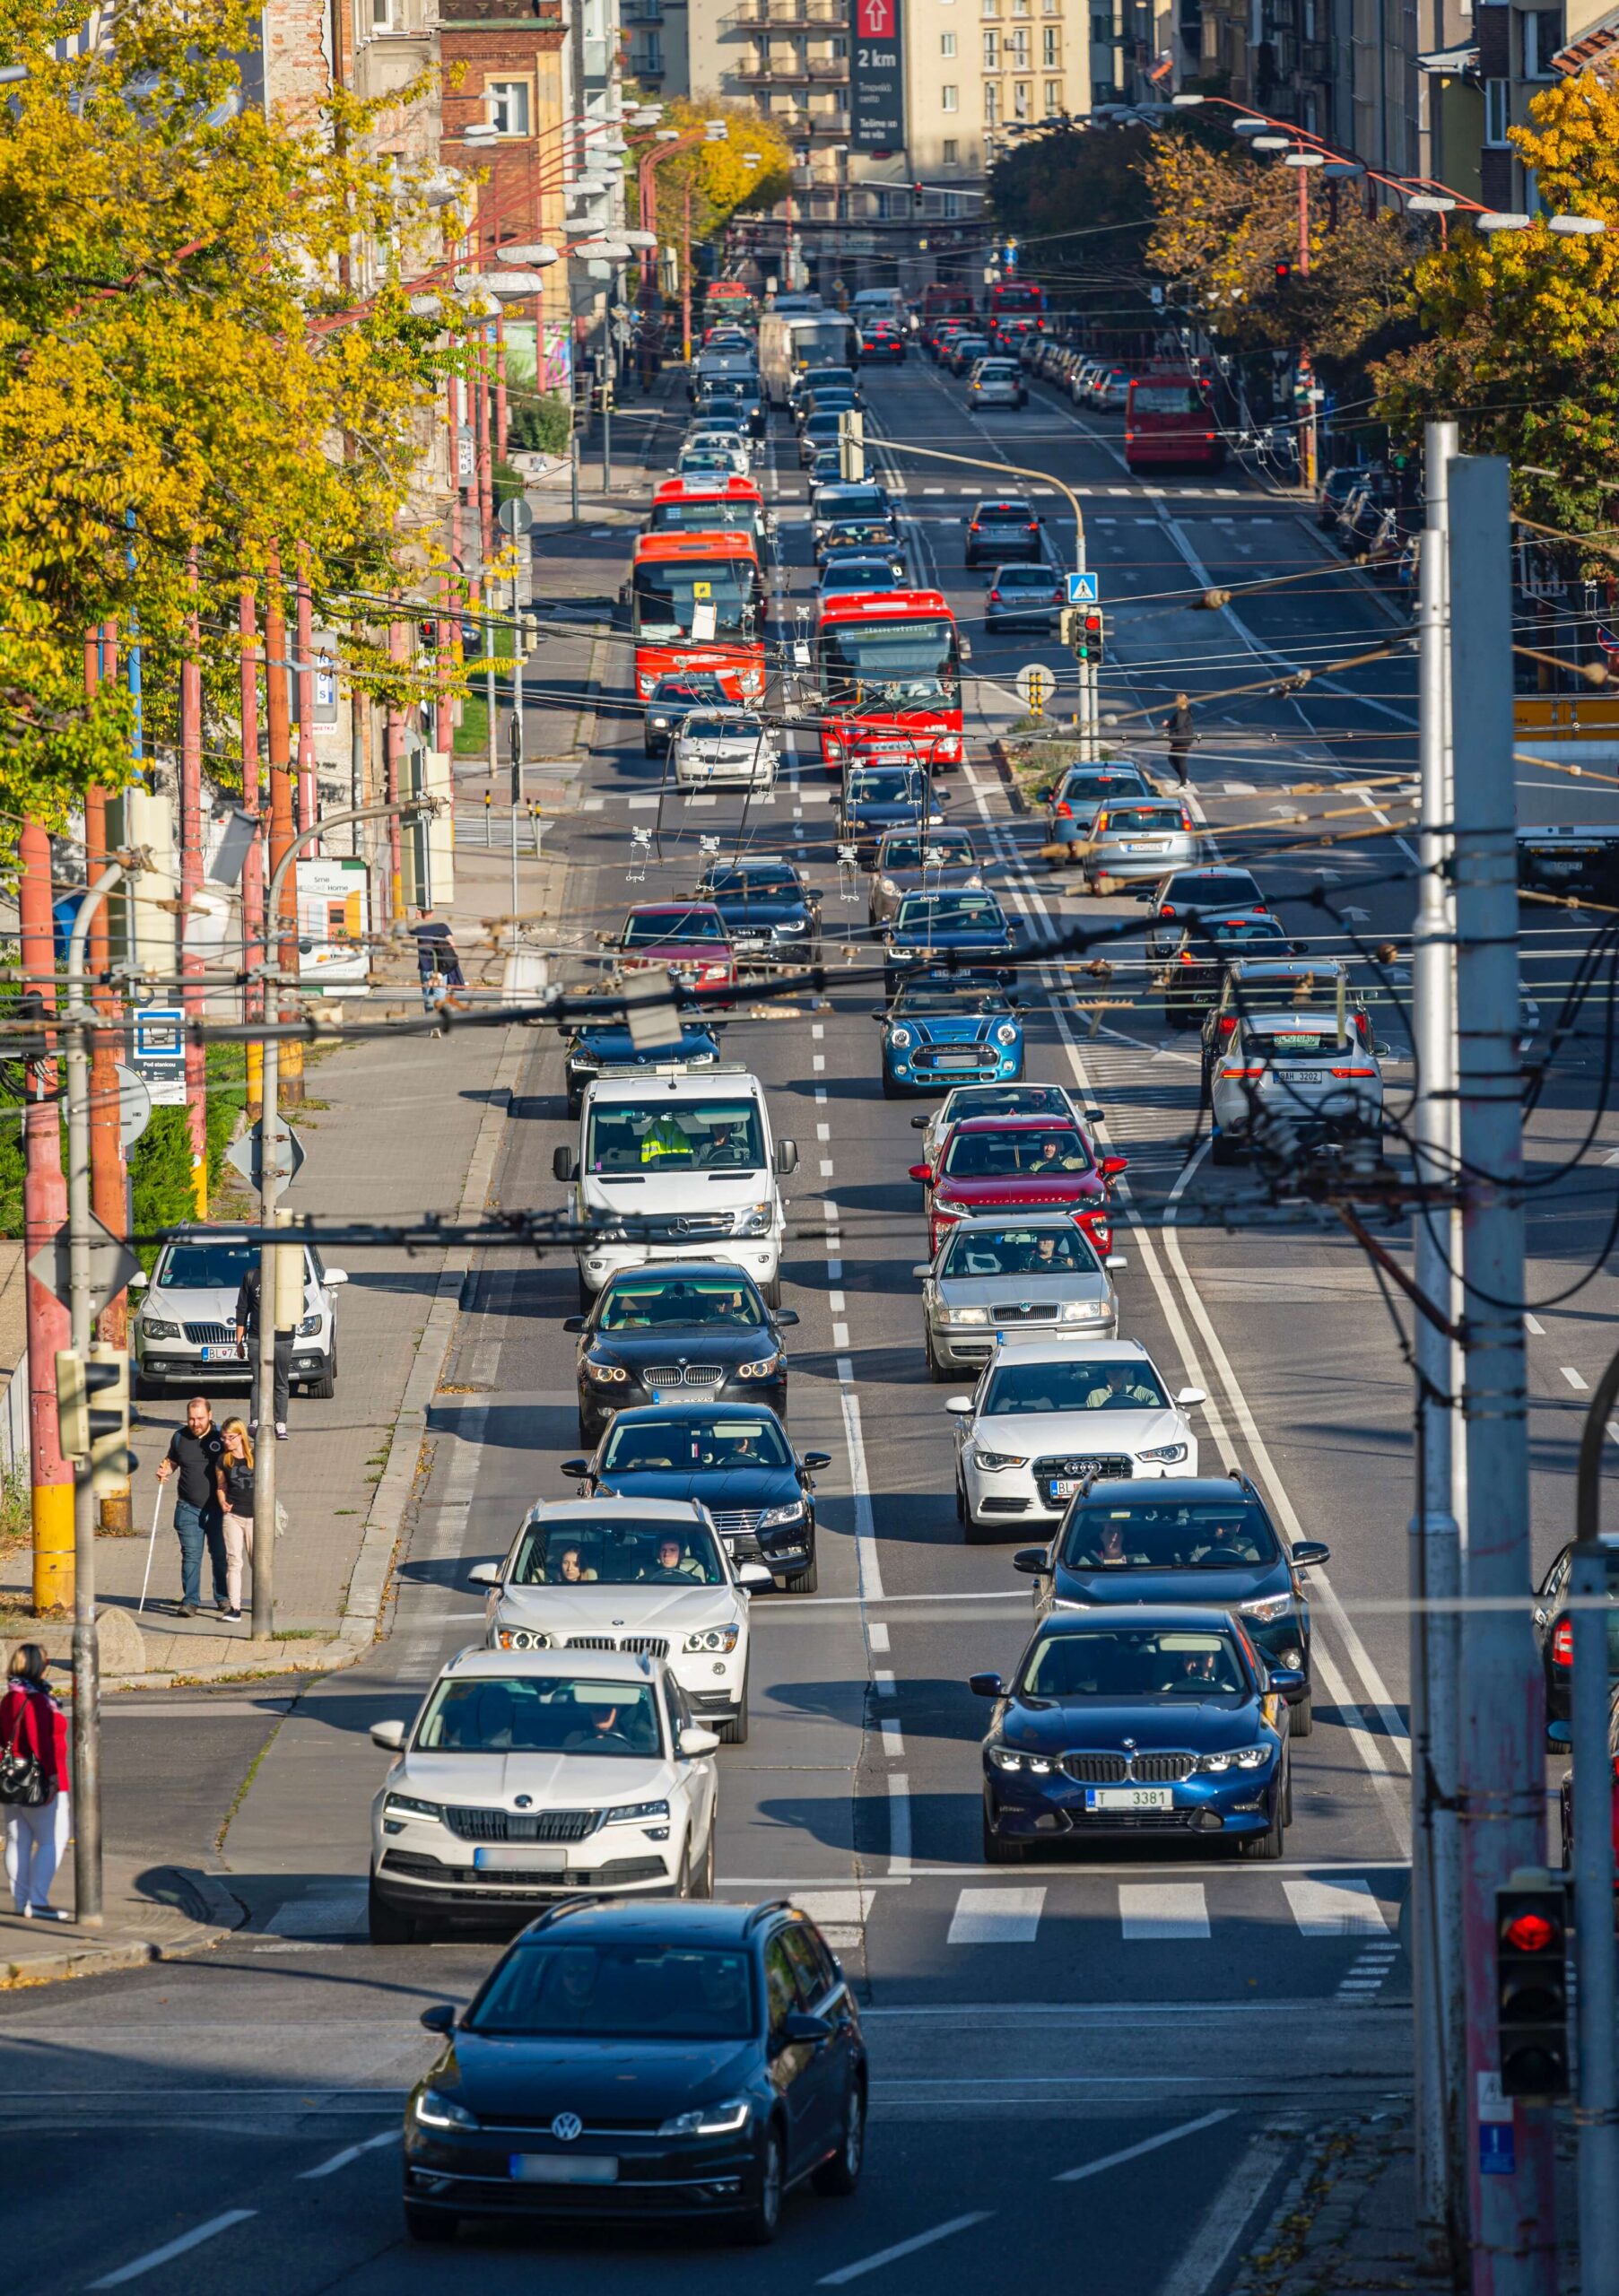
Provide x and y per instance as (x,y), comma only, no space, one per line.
(950,149)
(951,204)
(992,103)
(946,43)
(990,8)
(1101,31)
(992,51)
(1497,112)
(1020,101)
(1017,50)
(1051,53)
(382,13)
(948,100)
(1542,38)
(840,50)
(508,101)
(1054,96)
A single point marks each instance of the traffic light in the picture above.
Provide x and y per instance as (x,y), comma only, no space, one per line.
(1532,1988)
(1283,273)
(1088,633)
(96,1435)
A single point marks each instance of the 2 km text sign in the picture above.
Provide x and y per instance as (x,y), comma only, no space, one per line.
(876,76)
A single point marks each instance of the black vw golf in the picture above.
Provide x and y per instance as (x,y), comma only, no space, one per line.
(696,1328)
(657,2061)
(1206,1541)
(733,1457)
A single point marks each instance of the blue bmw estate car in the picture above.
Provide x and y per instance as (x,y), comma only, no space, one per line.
(950,1029)
(928,928)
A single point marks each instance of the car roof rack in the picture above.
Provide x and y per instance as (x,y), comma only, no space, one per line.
(771,1905)
(552,1913)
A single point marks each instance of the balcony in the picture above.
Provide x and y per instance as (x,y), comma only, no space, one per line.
(830,127)
(786,16)
(791,71)
(647,62)
(642,12)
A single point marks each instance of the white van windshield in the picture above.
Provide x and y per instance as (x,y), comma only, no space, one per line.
(716,1135)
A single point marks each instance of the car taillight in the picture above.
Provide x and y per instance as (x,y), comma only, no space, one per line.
(1185,822)
(1101,823)
(1034,526)
(995,594)
(1242,1072)
(1228,1024)
(1562,1642)
(974,527)
(1065,812)
(1354,1072)
(1166,910)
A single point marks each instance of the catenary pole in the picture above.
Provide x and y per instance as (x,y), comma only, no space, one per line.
(191,884)
(1511,2219)
(1597,2107)
(107,1194)
(44,1210)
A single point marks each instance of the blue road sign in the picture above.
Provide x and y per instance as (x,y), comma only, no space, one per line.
(1081,590)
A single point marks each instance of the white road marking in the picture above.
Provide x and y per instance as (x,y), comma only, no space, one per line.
(893,1739)
(349,2154)
(840,1335)
(823,1131)
(876,1634)
(1575,1379)
(902,2249)
(1201,2265)
(818,1062)
(641,805)
(1147,2144)
(899,1822)
(1533,1323)
(817,1028)
(996,1917)
(1344,1908)
(835,1302)
(882,1681)
(826,1168)
(859,1483)
(172,2248)
(1160,1913)
(834,1265)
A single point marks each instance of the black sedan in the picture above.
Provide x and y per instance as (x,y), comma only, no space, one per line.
(1554,1628)
(768,910)
(734,1457)
(1159,1721)
(652,2061)
(672,701)
(877,799)
(1195,965)
(864,538)
(697,1327)
(1207,1541)
(931,928)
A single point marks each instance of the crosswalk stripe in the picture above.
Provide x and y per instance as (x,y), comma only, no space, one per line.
(1334,1906)
(1163,1911)
(996,1917)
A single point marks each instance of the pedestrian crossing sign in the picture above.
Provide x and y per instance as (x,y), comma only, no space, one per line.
(1081,590)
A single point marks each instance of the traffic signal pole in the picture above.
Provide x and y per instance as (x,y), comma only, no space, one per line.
(1597,2113)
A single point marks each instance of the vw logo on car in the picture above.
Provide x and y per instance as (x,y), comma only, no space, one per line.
(566,2127)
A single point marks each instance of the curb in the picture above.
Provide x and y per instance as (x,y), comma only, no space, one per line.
(222,1913)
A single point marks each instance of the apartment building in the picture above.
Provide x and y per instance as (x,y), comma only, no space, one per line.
(1497,57)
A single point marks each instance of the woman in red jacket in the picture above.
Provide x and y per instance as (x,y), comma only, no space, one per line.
(36,1834)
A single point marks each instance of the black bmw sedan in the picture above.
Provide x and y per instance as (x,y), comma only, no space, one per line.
(736,1459)
(1206,1541)
(655,2061)
(673,1329)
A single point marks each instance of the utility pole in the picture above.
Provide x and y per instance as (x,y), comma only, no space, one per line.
(1435,1554)
(1511,2214)
(281,919)
(191,884)
(107,1196)
(306,785)
(44,1210)
(253,867)
(1597,2114)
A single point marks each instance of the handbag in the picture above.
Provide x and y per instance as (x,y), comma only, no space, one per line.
(21,1779)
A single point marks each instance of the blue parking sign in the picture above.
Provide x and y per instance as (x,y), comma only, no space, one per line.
(1082,589)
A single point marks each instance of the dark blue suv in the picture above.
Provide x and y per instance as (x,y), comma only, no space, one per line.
(652,2060)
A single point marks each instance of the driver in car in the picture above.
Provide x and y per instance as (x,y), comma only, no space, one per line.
(1051,1155)
(1046,1252)
(726,1145)
(1121,1389)
(603,1730)
(674,1567)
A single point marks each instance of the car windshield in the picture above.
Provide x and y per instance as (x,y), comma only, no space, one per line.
(1300,1043)
(693,1443)
(652,929)
(618,1555)
(737,884)
(541,1714)
(827,378)
(854,502)
(1018,1390)
(723,1301)
(1241,932)
(846,577)
(889,658)
(1166,398)
(944,849)
(1089,781)
(968,999)
(1212,888)
(1169,1535)
(1003,1100)
(1018,1251)
(1001,511)
(664,1136)
(1024,578)
(1006,1155)
(1128,821)
(1134,1662)
(950,912)
(204,1268)
(709,514)
(882,784)
(686,691)
(700,728)
(997,370)
(624,1991)
(865,533)
(696,598)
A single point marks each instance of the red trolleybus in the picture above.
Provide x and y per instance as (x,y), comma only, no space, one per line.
(708,506)
(1169,423)
(889,671)
(698,603)
(1015,306)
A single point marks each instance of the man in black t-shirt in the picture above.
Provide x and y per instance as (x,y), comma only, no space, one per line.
(193,1453)
(247,1339)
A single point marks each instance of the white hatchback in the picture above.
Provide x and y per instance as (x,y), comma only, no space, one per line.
(648,1577)
(733,749)
(533,1775)
(1047,1416)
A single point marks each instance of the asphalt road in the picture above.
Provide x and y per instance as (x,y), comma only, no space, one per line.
(1118,2051)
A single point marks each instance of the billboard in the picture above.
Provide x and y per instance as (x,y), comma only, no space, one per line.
(333,926)
(876,76)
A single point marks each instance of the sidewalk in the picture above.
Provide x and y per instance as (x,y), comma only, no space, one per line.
(153,1913)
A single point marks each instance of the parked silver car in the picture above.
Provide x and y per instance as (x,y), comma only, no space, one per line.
(1131,837)
(998,1275)
(942,862)
(1295,1069)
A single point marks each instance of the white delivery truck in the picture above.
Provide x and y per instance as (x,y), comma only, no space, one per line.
(673,1164)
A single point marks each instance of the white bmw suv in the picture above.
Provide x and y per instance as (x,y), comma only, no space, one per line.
(531,1775)
(646,1576)
(1046,1416)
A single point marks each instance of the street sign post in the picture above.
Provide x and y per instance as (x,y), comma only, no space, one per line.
(134,1107)
(111,1265)
(515,517)
(286,1156)
(160,1054)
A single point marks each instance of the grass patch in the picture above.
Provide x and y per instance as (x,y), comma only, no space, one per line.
(472,735)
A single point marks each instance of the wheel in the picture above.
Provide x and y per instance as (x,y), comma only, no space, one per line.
(997,1850)
(960,1501)
(759,2226)
(385,1924)
(703,1881)
(682,1880)
(1300,1717)
(805,1581)
(734,1730)
(1221,1148)
(839,2178)
(586,1297)
(772,1290)
(1264,1848)
(936,1372)
(430,2224)
(891,1090)
(324,1387)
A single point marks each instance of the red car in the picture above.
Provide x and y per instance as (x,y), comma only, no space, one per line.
(996,1163)
(688,936)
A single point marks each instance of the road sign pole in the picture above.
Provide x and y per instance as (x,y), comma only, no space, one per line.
(1597,2114)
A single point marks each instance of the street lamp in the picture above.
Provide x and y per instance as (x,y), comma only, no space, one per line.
(1576,227)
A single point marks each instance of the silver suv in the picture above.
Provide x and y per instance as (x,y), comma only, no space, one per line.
(184,1327)
(1297,1070)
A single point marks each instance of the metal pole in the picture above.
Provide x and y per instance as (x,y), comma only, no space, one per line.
(1435,1556)
(573,477)
(45,1207)
(1513,2223)
(485,602)
(1597,2111)
(604,368)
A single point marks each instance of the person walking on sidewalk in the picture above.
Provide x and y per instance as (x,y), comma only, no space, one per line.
(33,1738)
(1182,733)
(233,1478)
(436,955)
(193,1454)
(247,1339)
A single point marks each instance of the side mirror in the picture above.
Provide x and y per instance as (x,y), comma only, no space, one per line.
(784,1318)
(139,1280)
(440,2018)
(485,1574)
(1096,1116)
(814,1461)
(959,1407)
(756,1576)
(802,2025)
(335,1276)
(389,1736)
(1307,1550)
(921,1122)
(579,1469)
(564,1164)
(986,1686)
(924,1267)
(787,1157)
(1031,1561)
(574,1323)
(695,1740)
(1116,1259)
(1285,1680)
(923,1172)
(1190,1395)
(1111,1166)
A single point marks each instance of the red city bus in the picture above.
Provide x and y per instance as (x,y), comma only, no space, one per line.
(1169,424)
(728,302)
(888,673)
(707,506)
(698,603)
(945,299)
(1018,299)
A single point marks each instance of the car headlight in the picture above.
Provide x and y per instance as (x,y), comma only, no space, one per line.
(523,1638)
(605,1374)
(712,1637)
(1007,1033)
(310,1325)
(434,2110)
(1006,1758)
(774,1518)
(634,1813)
(660,724)
(406,1805)
(1266,1608)
(887,886)
(793,925)
(754,1221)
(700,1059)
(725,2118)
(1167,1454)
(151,1328)
(962,1315)
(1083,1312)
(580,1058)
(761,1369)
(997,1462)
(1244,1758)
(899,1039)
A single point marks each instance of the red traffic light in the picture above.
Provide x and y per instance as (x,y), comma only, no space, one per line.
(1531,1933)
(1092,621)
(1283,272)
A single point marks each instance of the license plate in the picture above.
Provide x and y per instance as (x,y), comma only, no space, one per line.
(956,1060)
(563,2169)
(1129,1798)
(1060,1491)
(1304,1075)
(1145,845)
(526,1857)
(221,1355)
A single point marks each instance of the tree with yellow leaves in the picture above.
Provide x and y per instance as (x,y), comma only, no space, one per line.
(723,179)
(1520,329)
